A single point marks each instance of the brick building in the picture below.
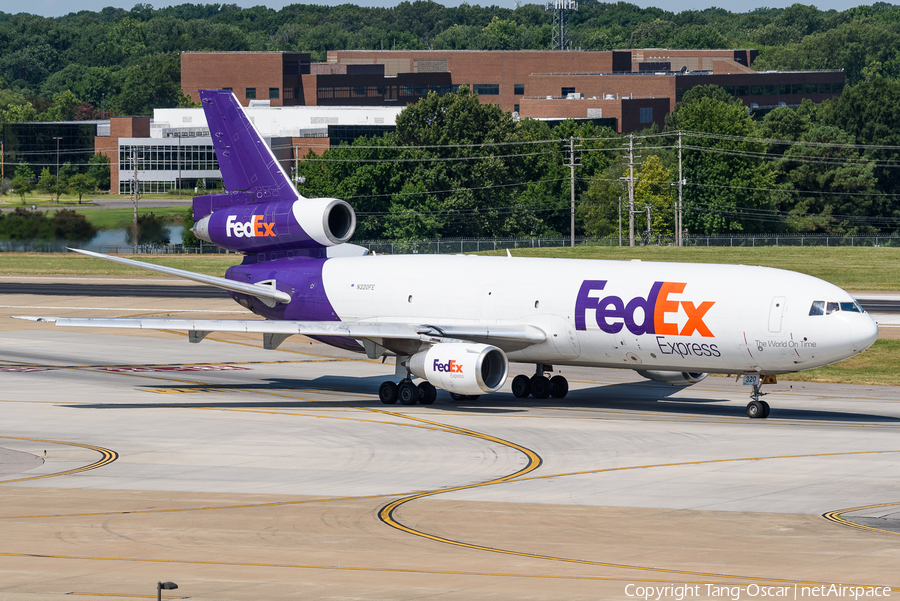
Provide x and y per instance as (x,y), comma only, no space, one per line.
(634,87)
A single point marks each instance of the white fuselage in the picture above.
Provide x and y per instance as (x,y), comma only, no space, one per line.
(625,314)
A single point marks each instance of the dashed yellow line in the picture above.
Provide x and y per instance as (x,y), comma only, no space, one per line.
(107,457)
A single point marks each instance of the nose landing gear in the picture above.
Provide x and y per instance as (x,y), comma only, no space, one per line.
(540,386)
(756,408)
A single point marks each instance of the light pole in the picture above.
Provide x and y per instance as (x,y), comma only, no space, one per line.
(164,586)
(57,138)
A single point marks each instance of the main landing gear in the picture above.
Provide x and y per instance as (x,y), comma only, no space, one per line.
(757,408)
(407,393)
(540,386)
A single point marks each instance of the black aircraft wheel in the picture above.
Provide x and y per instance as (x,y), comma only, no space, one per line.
(387,392)
(540,387)
(521,386)
(457,397)
(766,408)
(427,393)
(756,409)
(408,393)
(559,387)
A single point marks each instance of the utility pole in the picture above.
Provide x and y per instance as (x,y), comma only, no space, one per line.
(620,220)
(572,165)
(57,138)
(630,189)
(678,214)
(134,225)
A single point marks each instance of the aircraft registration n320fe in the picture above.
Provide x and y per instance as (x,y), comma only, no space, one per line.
(456,322)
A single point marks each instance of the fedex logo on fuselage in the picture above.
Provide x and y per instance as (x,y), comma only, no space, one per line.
(450,366)
(612,313)
(255,228)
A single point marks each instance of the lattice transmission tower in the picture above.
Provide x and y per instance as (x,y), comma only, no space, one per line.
(561,10)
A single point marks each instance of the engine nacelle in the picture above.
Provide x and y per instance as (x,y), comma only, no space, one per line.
(673,378)
(463,368)
(285,225)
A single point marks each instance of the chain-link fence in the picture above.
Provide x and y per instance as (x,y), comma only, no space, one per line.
(474,245)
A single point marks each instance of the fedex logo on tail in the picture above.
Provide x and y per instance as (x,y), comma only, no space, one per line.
(657,311)
(255,228)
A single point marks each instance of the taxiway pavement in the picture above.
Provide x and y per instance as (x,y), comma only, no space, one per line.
(132,457)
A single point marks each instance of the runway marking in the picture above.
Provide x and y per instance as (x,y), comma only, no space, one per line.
(386,513)
(124,595)
(150,311)
(717,577)
(837,517)
(108,456)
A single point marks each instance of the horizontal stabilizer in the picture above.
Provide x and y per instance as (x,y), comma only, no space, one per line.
(263,292)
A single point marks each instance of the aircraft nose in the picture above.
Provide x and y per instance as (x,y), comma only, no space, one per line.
(863,332)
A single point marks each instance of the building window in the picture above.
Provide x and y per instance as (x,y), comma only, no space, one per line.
(837,88)
(486,89)
(756,90)
(647,115)
(288,94)
(729,90)
(770,90)
(797,88)
(824,88)
(519,89)
(812,88)
(566,91)
(250,94)
(784,88)
(273,93)
(516,108)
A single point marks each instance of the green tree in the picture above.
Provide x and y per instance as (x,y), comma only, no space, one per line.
(47,181)
(64,108)
(71,226)
(81,184)
(729,186)
(188,239)
(99,170)
(653,188)
(151,230)
(21,181)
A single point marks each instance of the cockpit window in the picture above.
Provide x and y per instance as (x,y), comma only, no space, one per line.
(817,308)
(852,307)
(831,307)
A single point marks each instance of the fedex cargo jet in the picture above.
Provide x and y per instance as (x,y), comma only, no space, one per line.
(457,322)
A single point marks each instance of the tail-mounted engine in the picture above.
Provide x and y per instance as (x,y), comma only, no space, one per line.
(673,378)
(285,225)
(462,368)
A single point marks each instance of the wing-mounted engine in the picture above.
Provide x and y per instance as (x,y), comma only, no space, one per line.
(673,378)
(461,368)
(272,226)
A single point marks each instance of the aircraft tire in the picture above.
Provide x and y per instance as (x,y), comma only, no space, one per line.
(407,393)
(756,410)
(427,393)
(387,392)
(521,386)
(540,387)
(559,387)
(766,409)
(457,397)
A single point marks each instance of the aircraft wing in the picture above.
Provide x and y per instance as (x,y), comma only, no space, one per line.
(274,332)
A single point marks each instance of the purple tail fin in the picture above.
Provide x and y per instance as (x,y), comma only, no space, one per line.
(250,171)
